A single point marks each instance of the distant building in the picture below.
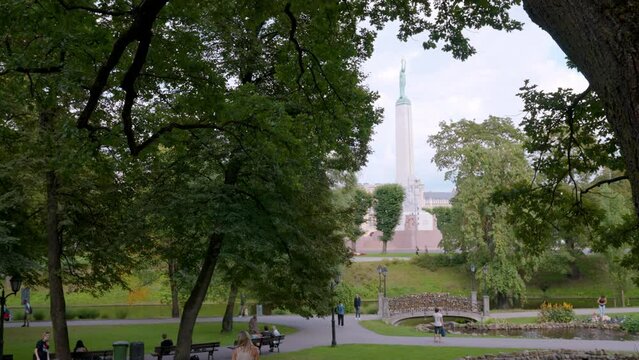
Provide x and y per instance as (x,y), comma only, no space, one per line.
(433,199)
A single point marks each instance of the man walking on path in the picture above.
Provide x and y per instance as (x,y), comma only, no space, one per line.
(340,314)
(358,304)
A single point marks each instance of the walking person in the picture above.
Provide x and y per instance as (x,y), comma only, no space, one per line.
(25,300)
(340,314)
(245,350)
(358,304)
(602,305)
(439,325)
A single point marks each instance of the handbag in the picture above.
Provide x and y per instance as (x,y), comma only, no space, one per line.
(442,332)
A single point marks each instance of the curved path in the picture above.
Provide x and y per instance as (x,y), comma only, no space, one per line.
(317,332)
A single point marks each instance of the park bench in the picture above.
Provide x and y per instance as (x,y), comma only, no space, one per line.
(87,355)
(270,341)
(210,348)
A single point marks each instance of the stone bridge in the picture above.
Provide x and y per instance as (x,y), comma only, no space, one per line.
(416,306)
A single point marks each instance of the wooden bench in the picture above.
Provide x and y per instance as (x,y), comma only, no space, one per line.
(272,342)
(210,348)
(87,355)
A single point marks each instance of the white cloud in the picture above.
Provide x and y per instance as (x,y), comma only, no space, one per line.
(442,88)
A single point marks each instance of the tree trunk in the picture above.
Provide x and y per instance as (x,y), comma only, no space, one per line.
(502,301)
(195,300)
(227,320)
(54,255)
(602,39)
(56,291)
(384,247)
(175,301)
(198,293)
(575,273)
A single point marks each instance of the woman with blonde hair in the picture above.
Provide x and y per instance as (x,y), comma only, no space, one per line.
(245,349)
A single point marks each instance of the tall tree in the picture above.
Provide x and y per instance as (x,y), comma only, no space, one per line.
(481,158)
(388,200)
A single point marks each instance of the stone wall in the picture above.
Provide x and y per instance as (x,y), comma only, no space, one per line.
(510,326)
(428,302)
(556,355)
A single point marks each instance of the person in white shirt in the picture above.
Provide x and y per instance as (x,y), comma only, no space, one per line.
(439,325)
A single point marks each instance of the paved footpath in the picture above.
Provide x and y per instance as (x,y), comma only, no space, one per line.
(317,332)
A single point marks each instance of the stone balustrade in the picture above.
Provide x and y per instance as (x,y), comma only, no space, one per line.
(556,354)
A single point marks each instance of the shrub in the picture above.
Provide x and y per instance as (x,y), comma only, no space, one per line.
(38,315)
(88,314)
(631,324)
(70,314)
(559,313)
(121,313)
(434,261)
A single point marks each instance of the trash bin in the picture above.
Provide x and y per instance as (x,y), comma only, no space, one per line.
(258,309)
(120,349)
(137,351)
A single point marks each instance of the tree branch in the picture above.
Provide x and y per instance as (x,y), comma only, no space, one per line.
(94,10)
(603,182)
(293,39)
(145,16)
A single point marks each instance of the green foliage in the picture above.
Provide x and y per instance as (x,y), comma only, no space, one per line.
(433,262)
(388,209)
(121,314)
(38,315)
(481,158)
(558,313)
(631,324)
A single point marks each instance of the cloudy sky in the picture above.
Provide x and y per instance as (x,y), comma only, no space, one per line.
(443,89)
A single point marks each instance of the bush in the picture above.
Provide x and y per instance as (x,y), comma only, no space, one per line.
(121,313)
(434,261)
(88,314)
(559,313)
(38,315)
(70,314)
(631,324)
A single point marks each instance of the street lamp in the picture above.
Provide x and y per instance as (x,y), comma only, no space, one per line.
(16,282)
(384,271)
(472,279)
(334,283)
(379,272)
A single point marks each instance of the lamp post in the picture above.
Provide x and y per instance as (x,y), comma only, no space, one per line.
(334,283)
(384,271)
(472,279)
(379,272)
(16,282)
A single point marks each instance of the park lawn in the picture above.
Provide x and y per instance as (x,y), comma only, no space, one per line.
(405,278)
(385,352)
(380,327)
(21,341)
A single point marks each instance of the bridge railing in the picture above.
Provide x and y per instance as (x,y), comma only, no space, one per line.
(419,303)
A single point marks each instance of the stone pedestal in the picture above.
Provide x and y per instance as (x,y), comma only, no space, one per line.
(473,299)
(486,305)
(380,304)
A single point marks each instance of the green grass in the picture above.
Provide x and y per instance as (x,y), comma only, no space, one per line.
(21,341)
(404,277)
(385,352)
(382,328)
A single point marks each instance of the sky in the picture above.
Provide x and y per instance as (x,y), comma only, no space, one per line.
(442,88)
